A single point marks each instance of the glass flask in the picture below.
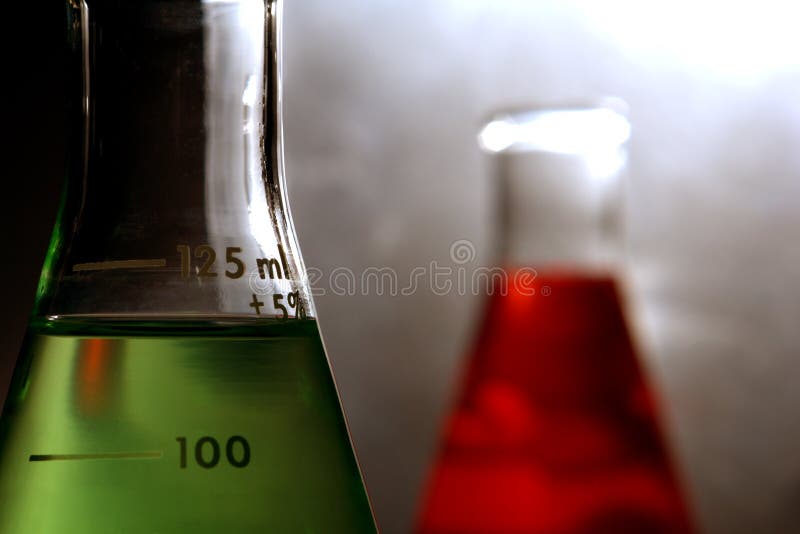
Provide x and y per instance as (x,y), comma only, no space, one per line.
(555,429)
(173,377)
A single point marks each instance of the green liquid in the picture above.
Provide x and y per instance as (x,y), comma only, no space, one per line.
(176,427)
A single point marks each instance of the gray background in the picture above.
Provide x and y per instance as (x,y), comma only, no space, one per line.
(383,100)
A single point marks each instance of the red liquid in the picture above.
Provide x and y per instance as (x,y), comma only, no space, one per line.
(555,431)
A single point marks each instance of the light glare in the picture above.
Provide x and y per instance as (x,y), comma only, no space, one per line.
(568,131)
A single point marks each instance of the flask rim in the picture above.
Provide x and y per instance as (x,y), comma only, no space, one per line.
(519,128)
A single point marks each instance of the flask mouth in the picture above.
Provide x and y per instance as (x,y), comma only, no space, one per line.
(558,173)
(584,128)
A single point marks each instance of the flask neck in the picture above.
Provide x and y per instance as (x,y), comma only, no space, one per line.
(559,182)
(175,199)
(553,215)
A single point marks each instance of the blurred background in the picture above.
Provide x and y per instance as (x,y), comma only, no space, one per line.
(383,101)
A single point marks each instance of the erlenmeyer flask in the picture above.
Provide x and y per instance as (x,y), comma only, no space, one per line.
(555,430)
(173,378)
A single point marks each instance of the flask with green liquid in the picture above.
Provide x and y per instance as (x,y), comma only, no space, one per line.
(173,378)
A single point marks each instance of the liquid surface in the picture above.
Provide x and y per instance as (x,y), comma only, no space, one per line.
(164,429)
(555,431)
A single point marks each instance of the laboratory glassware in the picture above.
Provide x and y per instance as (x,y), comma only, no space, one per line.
(173,378)
(556,428)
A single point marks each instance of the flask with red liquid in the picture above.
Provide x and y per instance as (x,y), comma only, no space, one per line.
(555,429)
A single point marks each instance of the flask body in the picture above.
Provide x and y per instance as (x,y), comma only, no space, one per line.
(555,430)
(172,426)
